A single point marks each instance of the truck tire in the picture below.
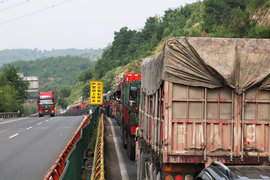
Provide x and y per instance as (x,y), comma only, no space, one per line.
(131,148)
(52,115)
(40,115)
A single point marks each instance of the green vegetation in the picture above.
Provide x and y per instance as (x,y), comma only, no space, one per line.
(10,55)
(212,18)
(12,90)
(30,108)
(55,72)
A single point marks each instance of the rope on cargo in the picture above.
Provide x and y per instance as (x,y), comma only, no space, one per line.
(98,171)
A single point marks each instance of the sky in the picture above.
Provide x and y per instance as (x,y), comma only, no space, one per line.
(59,24)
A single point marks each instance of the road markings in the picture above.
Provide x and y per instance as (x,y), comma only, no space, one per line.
(39,123)
(29,128)
(123,169)
(47,120)
(14,135)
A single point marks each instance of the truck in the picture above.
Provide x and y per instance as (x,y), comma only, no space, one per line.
(130,100)
(203,100)
(46,104)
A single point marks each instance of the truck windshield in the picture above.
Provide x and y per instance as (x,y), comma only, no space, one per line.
(46,101)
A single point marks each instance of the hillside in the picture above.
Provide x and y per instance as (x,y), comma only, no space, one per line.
(10,55)
(211,18)
(55,72)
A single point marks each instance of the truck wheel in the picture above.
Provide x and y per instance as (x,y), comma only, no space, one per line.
(131,148)
(124,139)
(40,115)
(52,115)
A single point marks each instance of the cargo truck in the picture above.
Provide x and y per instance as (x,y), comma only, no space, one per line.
(130,100)
(46,104)
(204,100)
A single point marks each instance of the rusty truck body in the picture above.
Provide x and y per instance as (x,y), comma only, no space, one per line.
(204,100)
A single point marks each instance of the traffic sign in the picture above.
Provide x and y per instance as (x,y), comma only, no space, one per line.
(96,92)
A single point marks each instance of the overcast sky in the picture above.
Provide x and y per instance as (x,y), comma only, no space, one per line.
(58,24)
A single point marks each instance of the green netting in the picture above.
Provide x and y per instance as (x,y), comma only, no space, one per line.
(74,161)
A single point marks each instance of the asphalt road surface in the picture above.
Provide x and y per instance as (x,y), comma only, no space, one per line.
(30,146)
(117,164)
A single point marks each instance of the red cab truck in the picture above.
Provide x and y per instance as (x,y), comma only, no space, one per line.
(130,100)
(204,100)
(46,104)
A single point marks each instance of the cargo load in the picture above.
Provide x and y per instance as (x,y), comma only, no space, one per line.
(204,99)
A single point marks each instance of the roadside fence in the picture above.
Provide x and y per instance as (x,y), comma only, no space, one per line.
(7,115)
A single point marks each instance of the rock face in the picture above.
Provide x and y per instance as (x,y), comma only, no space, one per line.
(263,17)
(266,19)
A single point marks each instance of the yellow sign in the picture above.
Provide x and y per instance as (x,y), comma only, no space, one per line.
(96,92)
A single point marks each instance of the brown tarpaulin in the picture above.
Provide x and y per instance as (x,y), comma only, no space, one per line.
(210,62)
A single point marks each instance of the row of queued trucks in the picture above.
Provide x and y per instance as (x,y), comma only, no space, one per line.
(123,105)
(76,107)
(201,101)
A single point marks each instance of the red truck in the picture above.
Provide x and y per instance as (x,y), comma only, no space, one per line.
(130,100)
(46,104)
(204,100)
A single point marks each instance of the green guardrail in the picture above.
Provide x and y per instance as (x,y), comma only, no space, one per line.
(98,172)
(74,162)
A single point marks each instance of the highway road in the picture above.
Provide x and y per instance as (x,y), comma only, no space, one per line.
(30,146)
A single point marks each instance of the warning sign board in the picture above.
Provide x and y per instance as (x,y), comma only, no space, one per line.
(96,92)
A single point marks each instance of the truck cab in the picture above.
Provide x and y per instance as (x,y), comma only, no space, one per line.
(46,104)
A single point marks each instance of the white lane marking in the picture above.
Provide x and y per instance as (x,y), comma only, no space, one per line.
(29,128)
(39,123)
(12,121)
(10,137)
(47,120)
(122,165)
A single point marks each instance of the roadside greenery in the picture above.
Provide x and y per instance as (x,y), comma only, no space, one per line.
(12,90)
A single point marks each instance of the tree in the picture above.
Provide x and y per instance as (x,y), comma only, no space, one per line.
(12,90)
(10,77)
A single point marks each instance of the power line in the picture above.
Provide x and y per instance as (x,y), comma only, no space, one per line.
(14,5)
(34,12)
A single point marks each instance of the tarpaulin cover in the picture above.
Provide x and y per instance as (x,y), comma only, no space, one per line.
(210,62)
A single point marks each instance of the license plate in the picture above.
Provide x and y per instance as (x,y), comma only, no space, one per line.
(46,110)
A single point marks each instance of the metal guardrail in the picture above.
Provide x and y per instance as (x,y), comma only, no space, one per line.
(6,115)
(98,171)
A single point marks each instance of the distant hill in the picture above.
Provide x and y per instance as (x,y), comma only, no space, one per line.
(54,72)
(10,55)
